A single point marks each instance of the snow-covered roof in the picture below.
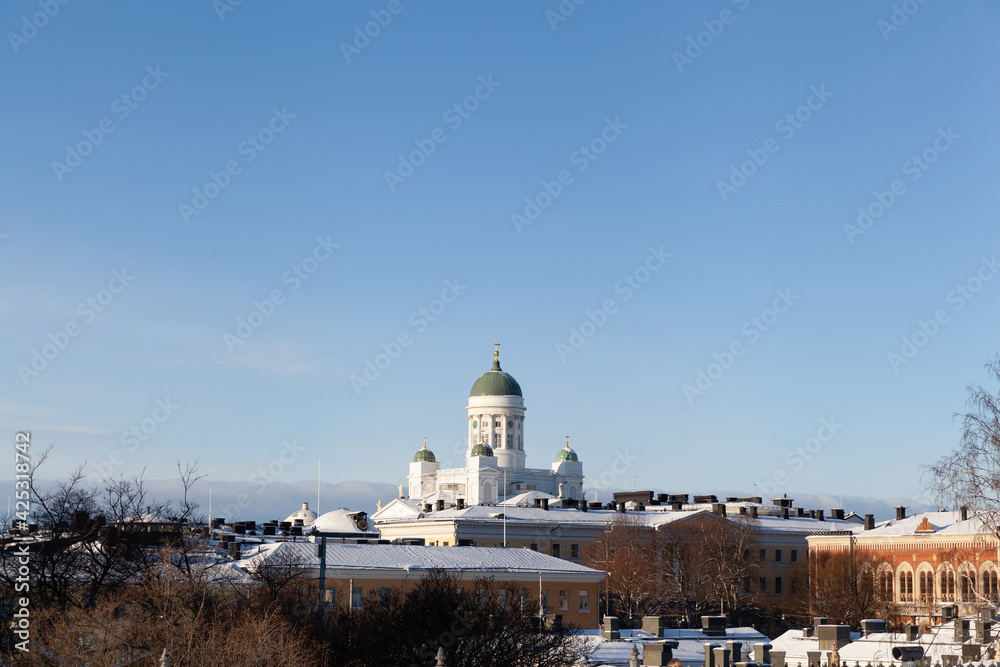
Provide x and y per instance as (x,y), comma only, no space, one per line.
(690,644)
(526,499)
(145,517)
(307,515)
(340,521)
(875,648)
(943,523)
(477,561)
(600,518)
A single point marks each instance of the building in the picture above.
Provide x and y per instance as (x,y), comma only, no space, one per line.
(495,456)
(933,565)
(353,570)
(564,529)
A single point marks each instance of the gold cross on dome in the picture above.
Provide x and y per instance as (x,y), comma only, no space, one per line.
(567,439)
(496,349)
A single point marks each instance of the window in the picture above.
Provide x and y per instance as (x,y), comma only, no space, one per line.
(926,586)
(545,600)
(574,551)
(510,440)
(794,556)
(777,586)
(563,599)
(990,584)
(763,555)
(355,597)
(584,600)
(555,550)
(906,587)
(533,546)
(763,584)
(383,598)
(885,585)
(502,598)
(777,555)
(948,585)
(331,596)
(966,589)
(497,423)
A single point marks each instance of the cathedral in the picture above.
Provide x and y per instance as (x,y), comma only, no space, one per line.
(494,460)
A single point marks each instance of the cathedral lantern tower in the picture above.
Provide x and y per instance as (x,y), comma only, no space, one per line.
(496,415)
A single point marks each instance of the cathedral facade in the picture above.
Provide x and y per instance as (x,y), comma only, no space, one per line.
(495,457)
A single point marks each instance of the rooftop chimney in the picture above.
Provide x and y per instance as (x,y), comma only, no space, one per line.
(964,513)
(900,513)
(439,506)
(460,503)
(753,511)
(800,511)
(784,512)
(819,515)
(870,626)
(545,504)
(911,632)
(719,508)
(869,522)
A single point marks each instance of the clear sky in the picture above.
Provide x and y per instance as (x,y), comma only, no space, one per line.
(681,172)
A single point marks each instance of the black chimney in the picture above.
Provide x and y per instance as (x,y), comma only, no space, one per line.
(900,513)
(869,522)
(964,513)
(545,504)
(819,515)
(460,503)
(439,506)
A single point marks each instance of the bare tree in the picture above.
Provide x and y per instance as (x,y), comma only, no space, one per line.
(631,553)
(843,587)
(970,475)
(711,563)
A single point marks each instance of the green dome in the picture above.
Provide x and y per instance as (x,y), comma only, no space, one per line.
(482,449)
(566,454)
(424,455)
(495,382)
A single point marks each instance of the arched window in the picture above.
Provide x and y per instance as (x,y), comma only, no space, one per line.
(947,585)
(990,585)
(885,584)
(966,586)
(906,586)
(487,491)
(926,586)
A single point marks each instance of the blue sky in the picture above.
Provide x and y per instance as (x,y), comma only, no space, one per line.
(330,121)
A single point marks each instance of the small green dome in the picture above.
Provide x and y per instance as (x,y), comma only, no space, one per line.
(566,454)
(424,455)
(495,382)
(482,449)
